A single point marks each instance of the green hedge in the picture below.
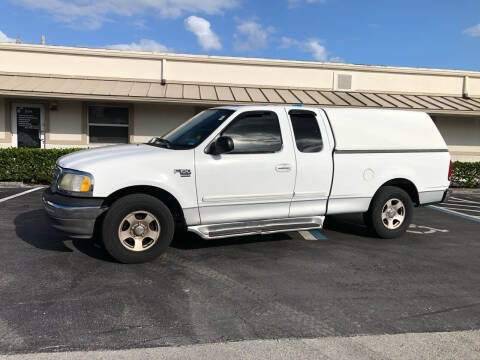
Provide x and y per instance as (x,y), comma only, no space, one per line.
(32,166)
(36,166)
(465,174)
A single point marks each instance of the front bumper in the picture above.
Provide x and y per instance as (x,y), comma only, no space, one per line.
(72,215)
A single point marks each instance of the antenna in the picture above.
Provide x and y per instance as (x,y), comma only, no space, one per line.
(17,40)
(43,39)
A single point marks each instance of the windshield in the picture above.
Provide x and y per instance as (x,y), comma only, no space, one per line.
(194,131)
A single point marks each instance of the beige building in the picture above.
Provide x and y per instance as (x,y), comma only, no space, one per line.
(63,97)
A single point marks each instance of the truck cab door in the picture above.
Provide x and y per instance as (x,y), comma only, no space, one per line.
(313,152)
(256,179)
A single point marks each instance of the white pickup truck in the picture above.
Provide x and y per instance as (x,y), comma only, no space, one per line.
(242,170)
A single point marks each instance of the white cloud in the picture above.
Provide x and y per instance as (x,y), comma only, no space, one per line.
(293,3)
(92,13)
(4,38)
(337,59)
(251,36)
(142,45)
(201,28)
(319,52)
(473,31)
(314,46)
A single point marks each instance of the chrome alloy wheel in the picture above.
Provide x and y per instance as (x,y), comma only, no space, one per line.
(393,214)
(139,231)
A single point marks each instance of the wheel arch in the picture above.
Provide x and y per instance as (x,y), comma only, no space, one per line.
(407,185)
(168,199)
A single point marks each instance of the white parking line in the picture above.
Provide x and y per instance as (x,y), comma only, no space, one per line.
(463,200)
(20,194)
(460,204)
(452,212)
(454,207)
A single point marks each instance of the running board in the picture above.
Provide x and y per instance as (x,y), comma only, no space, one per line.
(219,231)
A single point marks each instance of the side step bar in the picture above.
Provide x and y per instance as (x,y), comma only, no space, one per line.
(219,231)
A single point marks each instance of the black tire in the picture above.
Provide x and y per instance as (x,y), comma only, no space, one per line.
(373,217)
(115,216)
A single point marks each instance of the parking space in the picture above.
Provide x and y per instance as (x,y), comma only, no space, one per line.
(463,205)
(7,193)
(63,294)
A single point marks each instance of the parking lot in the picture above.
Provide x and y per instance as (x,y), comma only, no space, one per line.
(59,294)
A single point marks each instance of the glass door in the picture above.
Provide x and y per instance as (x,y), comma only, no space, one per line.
(28,125)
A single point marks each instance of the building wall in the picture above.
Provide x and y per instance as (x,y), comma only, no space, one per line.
(36,59)
(157,119)
(65,124)
(3,119)
(462,135)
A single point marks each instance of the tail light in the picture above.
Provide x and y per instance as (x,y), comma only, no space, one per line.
(450,170)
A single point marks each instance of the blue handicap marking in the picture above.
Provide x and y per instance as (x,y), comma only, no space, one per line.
(318,235)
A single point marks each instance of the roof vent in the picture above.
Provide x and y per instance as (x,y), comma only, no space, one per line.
(344,82)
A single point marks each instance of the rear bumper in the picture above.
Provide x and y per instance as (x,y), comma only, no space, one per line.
(434,197)
(446,195)
(74,216)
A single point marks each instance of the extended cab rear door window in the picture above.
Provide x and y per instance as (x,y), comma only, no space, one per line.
(255,132)
(307,133)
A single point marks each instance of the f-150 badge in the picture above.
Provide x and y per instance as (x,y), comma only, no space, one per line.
(183,172)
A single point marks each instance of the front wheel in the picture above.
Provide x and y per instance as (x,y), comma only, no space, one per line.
(390,212)
(137,228)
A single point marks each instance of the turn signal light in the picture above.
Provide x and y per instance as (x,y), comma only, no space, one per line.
(85,187)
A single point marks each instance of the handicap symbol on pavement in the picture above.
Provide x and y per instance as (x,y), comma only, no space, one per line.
(422,229)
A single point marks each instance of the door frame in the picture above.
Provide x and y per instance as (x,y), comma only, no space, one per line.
(13,115)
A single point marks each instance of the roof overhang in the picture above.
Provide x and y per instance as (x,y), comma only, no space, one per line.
(83,88)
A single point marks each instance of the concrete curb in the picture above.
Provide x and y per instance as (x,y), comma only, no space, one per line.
(13,184)
(466,191)
(18,185)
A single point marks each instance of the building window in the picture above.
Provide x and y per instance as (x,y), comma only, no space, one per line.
(108,124)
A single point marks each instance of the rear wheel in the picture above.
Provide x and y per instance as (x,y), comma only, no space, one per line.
(137,228)
(390,212)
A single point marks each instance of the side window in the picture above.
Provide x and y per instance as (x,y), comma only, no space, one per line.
(255,132)
(306,130)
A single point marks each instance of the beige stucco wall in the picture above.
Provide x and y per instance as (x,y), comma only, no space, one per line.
(413,83)
(462,135)
(22,58)
(65,124)
(2,119)
(249,74)
(156,119)
(64,64)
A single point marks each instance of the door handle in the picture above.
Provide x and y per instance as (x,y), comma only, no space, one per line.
(283,167)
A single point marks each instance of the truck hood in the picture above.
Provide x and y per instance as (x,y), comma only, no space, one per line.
(86,160)
(121,166)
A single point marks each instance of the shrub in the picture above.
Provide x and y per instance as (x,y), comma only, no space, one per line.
(33,166)
(465,174)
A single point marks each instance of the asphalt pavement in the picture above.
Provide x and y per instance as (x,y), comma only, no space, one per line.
(68,295)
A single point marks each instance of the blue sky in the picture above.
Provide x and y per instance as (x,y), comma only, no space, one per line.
(421,33)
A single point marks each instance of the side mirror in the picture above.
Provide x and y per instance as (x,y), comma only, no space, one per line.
(222,145)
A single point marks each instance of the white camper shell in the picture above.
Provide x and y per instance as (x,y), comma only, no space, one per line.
(237,170)
(373,147)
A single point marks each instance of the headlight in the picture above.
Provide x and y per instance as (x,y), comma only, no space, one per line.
(76,182)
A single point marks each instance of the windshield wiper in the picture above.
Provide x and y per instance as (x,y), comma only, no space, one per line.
(161,142)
